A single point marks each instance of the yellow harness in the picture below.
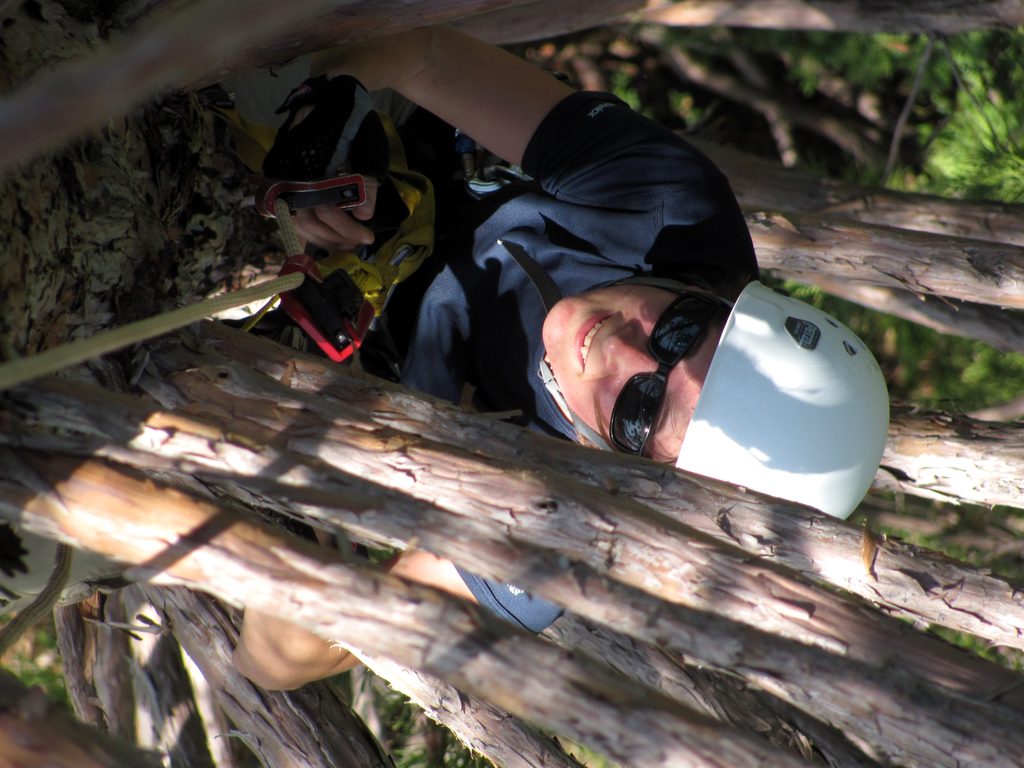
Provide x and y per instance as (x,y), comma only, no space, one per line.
(396,259)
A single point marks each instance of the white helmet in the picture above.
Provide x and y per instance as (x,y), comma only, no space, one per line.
(794,405)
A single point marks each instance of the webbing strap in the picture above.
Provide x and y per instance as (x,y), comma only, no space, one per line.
(549,293)
(549,296)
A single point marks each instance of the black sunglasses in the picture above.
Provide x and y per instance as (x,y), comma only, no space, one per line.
(679,328)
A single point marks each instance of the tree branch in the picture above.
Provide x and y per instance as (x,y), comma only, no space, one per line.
(174,537)
(922,16)
(804,245)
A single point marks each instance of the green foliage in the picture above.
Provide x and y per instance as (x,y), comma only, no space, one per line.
(35,660)
(978,153)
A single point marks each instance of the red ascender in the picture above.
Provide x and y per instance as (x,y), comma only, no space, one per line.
(333,312)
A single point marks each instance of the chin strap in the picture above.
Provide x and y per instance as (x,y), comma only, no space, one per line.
(549,296)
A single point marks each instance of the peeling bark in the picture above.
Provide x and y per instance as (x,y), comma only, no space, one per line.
(954,458)
(173,537)
(311,727)
(621,540)
(800,245)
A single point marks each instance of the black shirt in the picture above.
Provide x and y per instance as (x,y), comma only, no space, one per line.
(617,195)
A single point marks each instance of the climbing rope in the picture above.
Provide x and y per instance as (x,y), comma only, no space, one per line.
(51,360)
(43,603)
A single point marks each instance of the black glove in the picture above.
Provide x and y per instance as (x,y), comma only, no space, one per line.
(342,134)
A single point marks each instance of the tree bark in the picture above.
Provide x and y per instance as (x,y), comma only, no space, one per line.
(487,730)
(95,662)
(817,546)
(34,734)
(717,694)
(639,554)
(183,537)
(764,185)
(173,537)
(74,649)
(950,458)
(801,245)
(997,328)
(923,16)
(311,726)
(169,719)
(199,45)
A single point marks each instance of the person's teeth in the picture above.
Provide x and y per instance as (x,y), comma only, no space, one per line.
(585,350)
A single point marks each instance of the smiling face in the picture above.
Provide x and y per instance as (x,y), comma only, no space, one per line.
(596,341)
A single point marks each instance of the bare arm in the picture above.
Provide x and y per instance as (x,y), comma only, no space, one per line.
(493,96)
(278,655)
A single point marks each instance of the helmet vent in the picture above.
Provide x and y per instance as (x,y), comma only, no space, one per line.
(850,349)
(806,334)
(832,322)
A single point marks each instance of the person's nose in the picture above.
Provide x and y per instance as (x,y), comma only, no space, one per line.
(631,351)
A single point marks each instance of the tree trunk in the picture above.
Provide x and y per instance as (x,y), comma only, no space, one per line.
(311,726)
(721,695)
(96,665)
(169,719)
(924,16)
(505,740)
(818,546)
(997,328)
(73,646)
(199,45)
(33,734)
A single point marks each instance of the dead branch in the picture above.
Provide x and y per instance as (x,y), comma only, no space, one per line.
(487,730)
(803,245)
(950,458)
(75,648)
(1010,411)
(55,106)
(169,720)
(250,565)
(174,537)
(636,564)
(718,694)
(199,44)
(311,727)
(998,328)
(763,185)
(817,546)
(859,146)
(922,16)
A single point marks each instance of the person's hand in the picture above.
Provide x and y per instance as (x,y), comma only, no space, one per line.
(335,228)
(331,129)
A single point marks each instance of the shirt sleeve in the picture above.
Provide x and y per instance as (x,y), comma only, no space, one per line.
(592,150)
